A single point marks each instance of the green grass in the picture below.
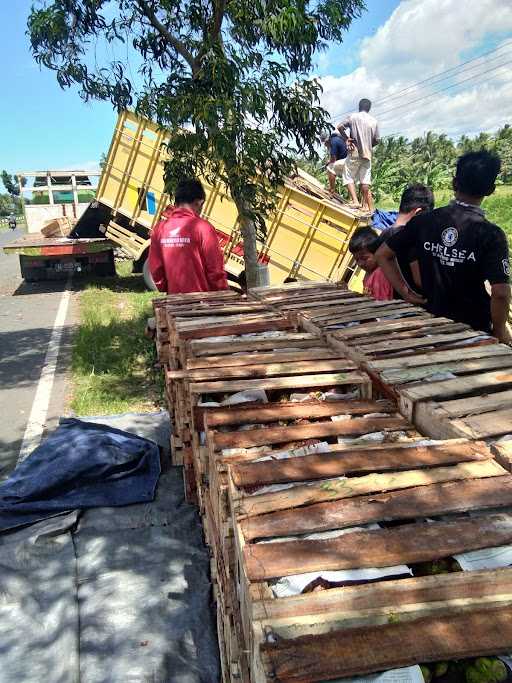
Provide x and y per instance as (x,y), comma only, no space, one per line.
(112,362)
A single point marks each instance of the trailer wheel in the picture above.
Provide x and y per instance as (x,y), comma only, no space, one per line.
(146,274)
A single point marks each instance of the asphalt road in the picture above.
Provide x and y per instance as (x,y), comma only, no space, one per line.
(27,315)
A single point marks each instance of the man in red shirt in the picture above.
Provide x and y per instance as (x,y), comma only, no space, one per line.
(185,255)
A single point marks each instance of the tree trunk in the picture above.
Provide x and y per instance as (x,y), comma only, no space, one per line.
(248,230)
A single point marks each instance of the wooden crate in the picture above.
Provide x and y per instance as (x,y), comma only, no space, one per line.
(217,517)
(289,378)
(360,629)
(187,302)
(278,294)
(476,403)
(181,331)
(355,310)
(404,337)
(271,428)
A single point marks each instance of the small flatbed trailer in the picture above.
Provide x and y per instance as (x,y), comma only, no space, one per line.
(44,258)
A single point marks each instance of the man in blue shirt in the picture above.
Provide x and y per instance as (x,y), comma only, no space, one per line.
(337,156)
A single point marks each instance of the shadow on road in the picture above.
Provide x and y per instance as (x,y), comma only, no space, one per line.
(22,355)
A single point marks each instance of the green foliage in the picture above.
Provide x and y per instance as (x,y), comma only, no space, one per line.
(6,204)
(228,78)
(10,183)
(431,160)
(10,204)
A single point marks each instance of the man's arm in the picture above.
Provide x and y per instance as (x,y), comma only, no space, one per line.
(213,259)
(496,269)
(387,261)
(156,262)
(341,127)
(376,136)
(500,308)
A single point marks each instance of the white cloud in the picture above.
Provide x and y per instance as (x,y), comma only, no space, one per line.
(426,37)
(91,166)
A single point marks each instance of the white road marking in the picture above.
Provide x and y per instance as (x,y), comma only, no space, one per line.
(38,414)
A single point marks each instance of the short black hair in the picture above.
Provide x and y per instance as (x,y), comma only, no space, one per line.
(365,105)
(416,196)
(188,191)
(477,172)
(364,238)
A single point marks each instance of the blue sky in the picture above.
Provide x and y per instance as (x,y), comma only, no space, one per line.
(46,127)
(395,43)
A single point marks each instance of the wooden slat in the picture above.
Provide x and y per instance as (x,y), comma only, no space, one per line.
(422,501)
(466,406)
(221,330)
(271,435)
(384,326)
(460,386)
(210,319)
(456,367)
(365,650)
(324,300)
(357,486)
(371,313)
(408,544)
(205,347)
(293,382)
(326,313)
(265,370)
(462,353)
(392,345)
(503,453)
(326,465)
(271,412)
(418,593)
(318,353)
(414,334)
(486,425)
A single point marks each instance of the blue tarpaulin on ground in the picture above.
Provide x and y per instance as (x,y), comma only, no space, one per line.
(81,465)
(383,219)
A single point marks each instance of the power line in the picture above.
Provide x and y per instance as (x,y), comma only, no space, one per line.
(446,88)
(435,77)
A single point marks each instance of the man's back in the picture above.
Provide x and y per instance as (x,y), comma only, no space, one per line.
(457,250)
(365,131)
(185,255)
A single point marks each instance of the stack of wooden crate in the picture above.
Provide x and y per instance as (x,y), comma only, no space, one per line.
(183,318)
(300,414)
(271,432)
(374,516)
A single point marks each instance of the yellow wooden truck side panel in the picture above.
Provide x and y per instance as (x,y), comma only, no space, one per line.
(307,238)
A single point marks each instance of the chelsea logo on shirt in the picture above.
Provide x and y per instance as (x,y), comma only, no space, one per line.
(449,236)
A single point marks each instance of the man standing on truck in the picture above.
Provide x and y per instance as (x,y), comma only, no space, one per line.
(337,148)
(458,250)
(364,135)
(185,254)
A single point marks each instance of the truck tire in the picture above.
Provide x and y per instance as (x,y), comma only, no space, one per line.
(146,274)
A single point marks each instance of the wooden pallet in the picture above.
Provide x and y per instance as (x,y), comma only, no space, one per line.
(204,322)
(354,310)
(345,379)
(476,403)
(355,630)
